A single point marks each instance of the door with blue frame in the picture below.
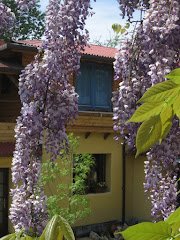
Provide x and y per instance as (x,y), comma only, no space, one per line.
(4,189)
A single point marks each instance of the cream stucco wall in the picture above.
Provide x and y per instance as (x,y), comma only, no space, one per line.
(105,206)
(108,206)
(137,203)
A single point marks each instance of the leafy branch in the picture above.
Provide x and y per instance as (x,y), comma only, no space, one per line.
(161,103)
(163,230)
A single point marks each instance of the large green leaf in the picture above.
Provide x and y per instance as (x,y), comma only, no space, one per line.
(174,75)
(160,92)
(8,237)
(166,121)
(175,229)
(174,217)
(148,134)
(28,238)
(60,234)
(66,229)
(174,221)
(145,111)
(51,230)
(176,106)
(148,231)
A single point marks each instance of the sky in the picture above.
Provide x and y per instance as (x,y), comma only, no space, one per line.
(99,25)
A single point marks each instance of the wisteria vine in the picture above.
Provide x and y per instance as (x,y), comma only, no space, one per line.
(49,102)
(7,19)
(141,63)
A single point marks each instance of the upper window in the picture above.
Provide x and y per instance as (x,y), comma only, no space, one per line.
(94,86)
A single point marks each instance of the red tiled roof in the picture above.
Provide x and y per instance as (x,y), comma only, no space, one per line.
(93,50)
(6,149)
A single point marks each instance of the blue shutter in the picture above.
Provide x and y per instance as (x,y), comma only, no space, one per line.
(102,83)
(83,86)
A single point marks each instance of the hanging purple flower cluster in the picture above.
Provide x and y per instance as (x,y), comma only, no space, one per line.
(140,64)
(161,174)
(49,102)
(7,19)
(25,5)
(128,7)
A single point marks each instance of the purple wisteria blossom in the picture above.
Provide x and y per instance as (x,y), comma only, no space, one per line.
(25,5)
(7,19)
(128,7)
(140,64)
(49,102)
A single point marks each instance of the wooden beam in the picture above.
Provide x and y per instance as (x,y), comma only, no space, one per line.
(87,135)
(106,135)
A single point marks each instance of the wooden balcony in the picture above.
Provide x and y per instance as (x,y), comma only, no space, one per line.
(92,122)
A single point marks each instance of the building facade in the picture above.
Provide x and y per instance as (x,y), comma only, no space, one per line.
(123,198)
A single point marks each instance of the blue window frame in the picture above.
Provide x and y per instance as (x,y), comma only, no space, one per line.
(94,86)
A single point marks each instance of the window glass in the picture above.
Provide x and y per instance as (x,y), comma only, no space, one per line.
(94,86)
(1,177)
(1,190)
(97,179)
(1,204)
(83,85)
(1,217)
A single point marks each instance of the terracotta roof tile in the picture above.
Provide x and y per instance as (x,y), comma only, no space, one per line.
(93,50)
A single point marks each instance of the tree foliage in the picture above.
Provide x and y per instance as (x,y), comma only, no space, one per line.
(70,173)
(114,40)
(28,25)
(143,61)
(56,229)
(163,230)
(161,103)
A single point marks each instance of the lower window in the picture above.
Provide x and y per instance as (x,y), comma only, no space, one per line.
(98,180)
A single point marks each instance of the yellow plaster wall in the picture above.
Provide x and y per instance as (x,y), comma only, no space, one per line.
(105,206)
(141,204)
(108,206)
(137,203)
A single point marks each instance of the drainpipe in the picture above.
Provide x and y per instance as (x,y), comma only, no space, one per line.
(123,182)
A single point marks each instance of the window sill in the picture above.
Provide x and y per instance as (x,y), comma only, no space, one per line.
(97,194)
(95,113)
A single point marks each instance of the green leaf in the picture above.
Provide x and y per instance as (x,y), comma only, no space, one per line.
(148,134)
(174,75)
(174,221)
(66,229)
(60,234)
(145,111)
(29,238)
(148,231)
(116,27)
(123,30)
(174,217)
(7,237)
(51,230)
(166,121)
(13,238)
(160,92)
(176,106)
(127,25)
(175,228)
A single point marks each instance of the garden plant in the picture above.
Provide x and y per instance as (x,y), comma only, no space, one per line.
(49,102)
(70,166)
(160,106)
